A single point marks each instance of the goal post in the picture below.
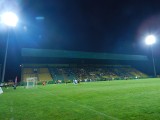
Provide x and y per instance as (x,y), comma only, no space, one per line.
(1,91)
(31,82)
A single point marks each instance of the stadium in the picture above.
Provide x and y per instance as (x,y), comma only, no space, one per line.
(109,86)
(79,60)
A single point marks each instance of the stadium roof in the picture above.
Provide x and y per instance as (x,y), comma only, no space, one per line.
(48,53)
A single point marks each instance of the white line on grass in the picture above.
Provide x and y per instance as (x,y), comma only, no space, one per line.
(91,109)
(11,110)
(84,106)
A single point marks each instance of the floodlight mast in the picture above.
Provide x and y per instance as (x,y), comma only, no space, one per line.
(150,40)
(10,19)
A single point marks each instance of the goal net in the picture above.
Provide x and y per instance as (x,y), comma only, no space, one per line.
(31,82)
(1,91)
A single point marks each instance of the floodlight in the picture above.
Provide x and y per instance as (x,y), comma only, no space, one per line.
(9,19)
(150,39)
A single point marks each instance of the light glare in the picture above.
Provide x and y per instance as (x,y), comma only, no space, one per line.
(150,39)
(9,19)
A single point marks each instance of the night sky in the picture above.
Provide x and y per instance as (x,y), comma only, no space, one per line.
(90,25)
(111,26)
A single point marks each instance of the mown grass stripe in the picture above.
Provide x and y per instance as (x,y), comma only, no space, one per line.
(83,106)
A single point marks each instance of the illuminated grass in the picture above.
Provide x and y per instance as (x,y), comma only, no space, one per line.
(110,100)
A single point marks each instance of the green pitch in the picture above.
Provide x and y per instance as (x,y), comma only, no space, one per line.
(109,100)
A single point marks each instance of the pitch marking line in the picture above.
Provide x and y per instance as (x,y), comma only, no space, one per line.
(11,110)
(84,106)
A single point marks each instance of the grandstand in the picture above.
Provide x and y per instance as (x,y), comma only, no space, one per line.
(55,65)
(41,73)
(85,72)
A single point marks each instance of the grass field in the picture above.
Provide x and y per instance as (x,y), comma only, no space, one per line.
(109,100)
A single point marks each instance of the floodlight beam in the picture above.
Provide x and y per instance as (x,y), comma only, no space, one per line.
(9,19)
(150,40)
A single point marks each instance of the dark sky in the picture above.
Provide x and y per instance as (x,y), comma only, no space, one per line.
(88,25)
(113,26)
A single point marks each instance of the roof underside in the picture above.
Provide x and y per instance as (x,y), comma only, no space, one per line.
(47,53)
